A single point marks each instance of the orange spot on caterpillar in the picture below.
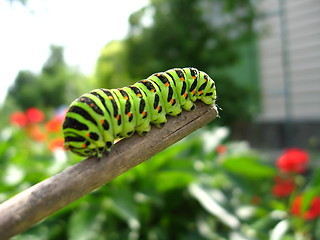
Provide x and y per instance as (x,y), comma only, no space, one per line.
(110,97)
(193,92)
(152,90)
(139,95)
(144,81)
(88,134)
(144,113)
(172,101)
(129,114)
(158,74)
(102,121)
(182,79)
(83,145)
(201,92)
(185,95)
(167,84)
(194,77)
(91,105)
(125,97)
(158,108)
(118,117)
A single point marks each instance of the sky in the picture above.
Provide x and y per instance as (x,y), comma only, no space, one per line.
(82,27)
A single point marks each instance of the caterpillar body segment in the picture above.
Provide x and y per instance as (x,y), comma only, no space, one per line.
(97,118)
(178,76)
(154,101)
(126,108)
(141,109)
(170,100)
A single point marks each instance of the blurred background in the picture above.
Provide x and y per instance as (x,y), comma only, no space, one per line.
(251,174)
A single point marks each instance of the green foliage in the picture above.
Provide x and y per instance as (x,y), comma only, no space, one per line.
(23,91)
(111,71)
(208,35)
(185,33)
(199,188)
(56,85)
(238,101)
(248,166)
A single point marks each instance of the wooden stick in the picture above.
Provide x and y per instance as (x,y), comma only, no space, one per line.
(39,201)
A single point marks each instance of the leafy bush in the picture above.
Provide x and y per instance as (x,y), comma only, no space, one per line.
(203,187)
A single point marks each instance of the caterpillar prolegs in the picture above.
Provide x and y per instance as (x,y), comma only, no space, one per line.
(97,118)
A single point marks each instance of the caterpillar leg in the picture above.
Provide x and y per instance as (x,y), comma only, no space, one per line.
(142,130)
(189,106)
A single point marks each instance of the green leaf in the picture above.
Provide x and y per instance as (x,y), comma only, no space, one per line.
(264,223)
(317,229)
(315,181)
(86,223)
(308,196)
(248,166)
(122,204)
(167,180)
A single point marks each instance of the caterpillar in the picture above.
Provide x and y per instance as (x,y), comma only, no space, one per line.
(95,119)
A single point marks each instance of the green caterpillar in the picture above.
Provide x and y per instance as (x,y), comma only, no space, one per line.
(97,118)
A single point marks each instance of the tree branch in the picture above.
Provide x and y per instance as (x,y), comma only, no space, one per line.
(39,201)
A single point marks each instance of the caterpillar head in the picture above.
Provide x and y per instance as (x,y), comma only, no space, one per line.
(82,142)
(82,146)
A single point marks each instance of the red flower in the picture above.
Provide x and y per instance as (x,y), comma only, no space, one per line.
(293,160)
(54,125)
(221,149)
(19,119)
(34,115)
(283,186)
(312,212)
(56,143)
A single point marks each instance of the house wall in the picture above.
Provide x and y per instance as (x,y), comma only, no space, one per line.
(289,71)
(289,56)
